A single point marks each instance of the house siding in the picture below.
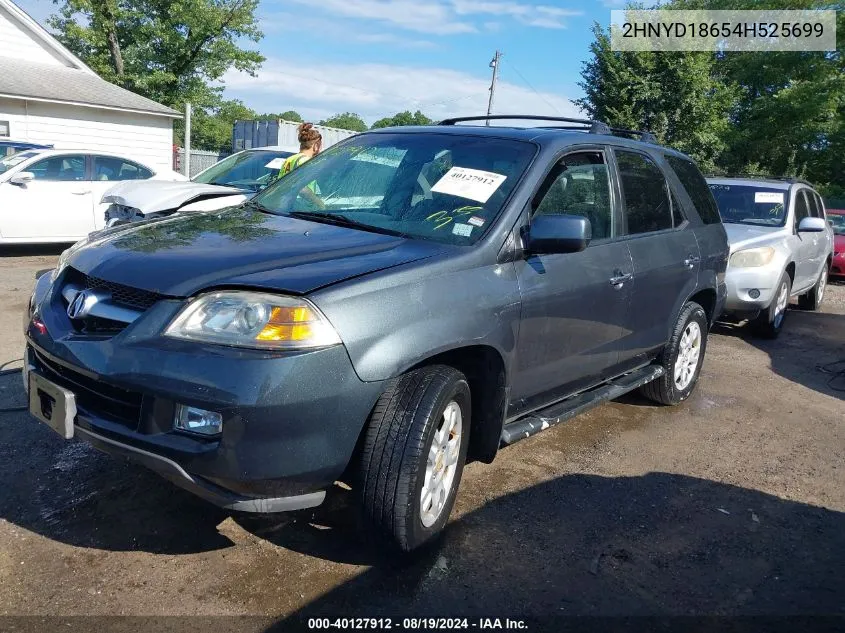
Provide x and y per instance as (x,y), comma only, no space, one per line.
(16,42)
(145,138)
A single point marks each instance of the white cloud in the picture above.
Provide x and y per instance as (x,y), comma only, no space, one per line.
(335,31)
(544,16)
(443,17)
(378,90)
(423,17)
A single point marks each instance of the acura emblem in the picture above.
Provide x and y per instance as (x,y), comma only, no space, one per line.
(82,304)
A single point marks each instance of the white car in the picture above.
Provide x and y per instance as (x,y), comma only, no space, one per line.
(231,181)
(51,195)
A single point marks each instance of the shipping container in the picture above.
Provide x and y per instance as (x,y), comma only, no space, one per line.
(249,134)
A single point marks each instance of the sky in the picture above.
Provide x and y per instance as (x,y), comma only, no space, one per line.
(379,57)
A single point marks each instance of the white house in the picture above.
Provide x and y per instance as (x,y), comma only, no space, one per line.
(47,95)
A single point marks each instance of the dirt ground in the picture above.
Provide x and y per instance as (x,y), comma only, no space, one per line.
(731,504)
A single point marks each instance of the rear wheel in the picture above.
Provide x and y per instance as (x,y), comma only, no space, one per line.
(681,358)
(770,322)
(813,299)
(413,454)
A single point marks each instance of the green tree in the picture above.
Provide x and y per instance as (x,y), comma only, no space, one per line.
(213,127)
(170,51)
(789,118)
(290,115)
(403,118)
(346,121)
(683,98)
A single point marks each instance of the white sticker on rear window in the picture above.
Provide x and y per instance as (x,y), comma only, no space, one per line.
(276,163)
(768,197)
(464,230)
(472,184)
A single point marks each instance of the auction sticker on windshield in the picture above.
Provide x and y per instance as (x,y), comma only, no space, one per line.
(472,184)
(276,163)
(768,197)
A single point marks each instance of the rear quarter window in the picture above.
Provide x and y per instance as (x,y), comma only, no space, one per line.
(699,192)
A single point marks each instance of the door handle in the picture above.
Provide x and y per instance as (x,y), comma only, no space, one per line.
(80,193)
(620,278)
(691,261)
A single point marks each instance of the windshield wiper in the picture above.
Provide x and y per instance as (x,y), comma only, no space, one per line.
(259,207)
(343,220)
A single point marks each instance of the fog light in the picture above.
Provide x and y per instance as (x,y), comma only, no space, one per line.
(196,420)
(754,293)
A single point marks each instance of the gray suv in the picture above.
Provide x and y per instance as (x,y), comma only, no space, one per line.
(407,301)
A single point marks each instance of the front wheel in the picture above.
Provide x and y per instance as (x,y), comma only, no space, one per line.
(770,322)
(812,300)
(681,358)
(413,454)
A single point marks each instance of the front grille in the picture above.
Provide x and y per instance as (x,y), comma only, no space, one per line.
(122,295)
(94,396)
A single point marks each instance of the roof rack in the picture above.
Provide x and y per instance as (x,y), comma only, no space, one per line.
(789,179)
(590,126)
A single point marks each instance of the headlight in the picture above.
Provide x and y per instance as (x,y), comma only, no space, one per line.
(61,264)
(253,319)
(752,257)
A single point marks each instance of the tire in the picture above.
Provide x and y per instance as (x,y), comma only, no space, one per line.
(670,389)
(394,456)
(812,300)
(770,322)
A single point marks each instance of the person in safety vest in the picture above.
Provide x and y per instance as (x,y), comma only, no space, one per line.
(310,144)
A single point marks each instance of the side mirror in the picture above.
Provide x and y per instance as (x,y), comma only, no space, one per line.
(21,179)
(811,225)
(550,234)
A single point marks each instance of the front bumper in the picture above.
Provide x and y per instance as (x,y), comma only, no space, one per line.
(741,282)
(837,268)
(291,421)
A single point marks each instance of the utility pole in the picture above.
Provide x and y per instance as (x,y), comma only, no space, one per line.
(186,163)
(495,66)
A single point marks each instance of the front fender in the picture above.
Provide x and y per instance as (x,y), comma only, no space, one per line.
(389,327)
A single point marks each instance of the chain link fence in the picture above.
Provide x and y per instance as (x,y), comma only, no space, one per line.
(200,160)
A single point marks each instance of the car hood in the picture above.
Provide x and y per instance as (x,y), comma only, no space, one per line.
(742,236)
(181,255)
(153,196)
(839,243)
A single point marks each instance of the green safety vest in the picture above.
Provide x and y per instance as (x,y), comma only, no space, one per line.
(291,163)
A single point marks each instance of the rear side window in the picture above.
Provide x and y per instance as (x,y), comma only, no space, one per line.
(109,168)
(645,192)
(695,184)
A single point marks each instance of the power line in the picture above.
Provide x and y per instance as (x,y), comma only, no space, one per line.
(528,83)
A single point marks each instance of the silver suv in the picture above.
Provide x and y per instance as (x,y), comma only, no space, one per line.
(781,246)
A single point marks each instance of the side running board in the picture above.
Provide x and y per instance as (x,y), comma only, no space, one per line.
(541,420)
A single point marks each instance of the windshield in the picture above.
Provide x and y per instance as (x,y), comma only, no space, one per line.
(747,204)
(245,170)
(440,187)
(15,159)
(837,221)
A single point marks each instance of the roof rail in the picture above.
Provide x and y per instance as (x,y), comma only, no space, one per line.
(593,127)
(789,179)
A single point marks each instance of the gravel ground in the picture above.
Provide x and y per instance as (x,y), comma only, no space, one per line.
(731,504)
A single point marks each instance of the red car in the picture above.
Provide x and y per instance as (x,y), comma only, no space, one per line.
(836,217)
